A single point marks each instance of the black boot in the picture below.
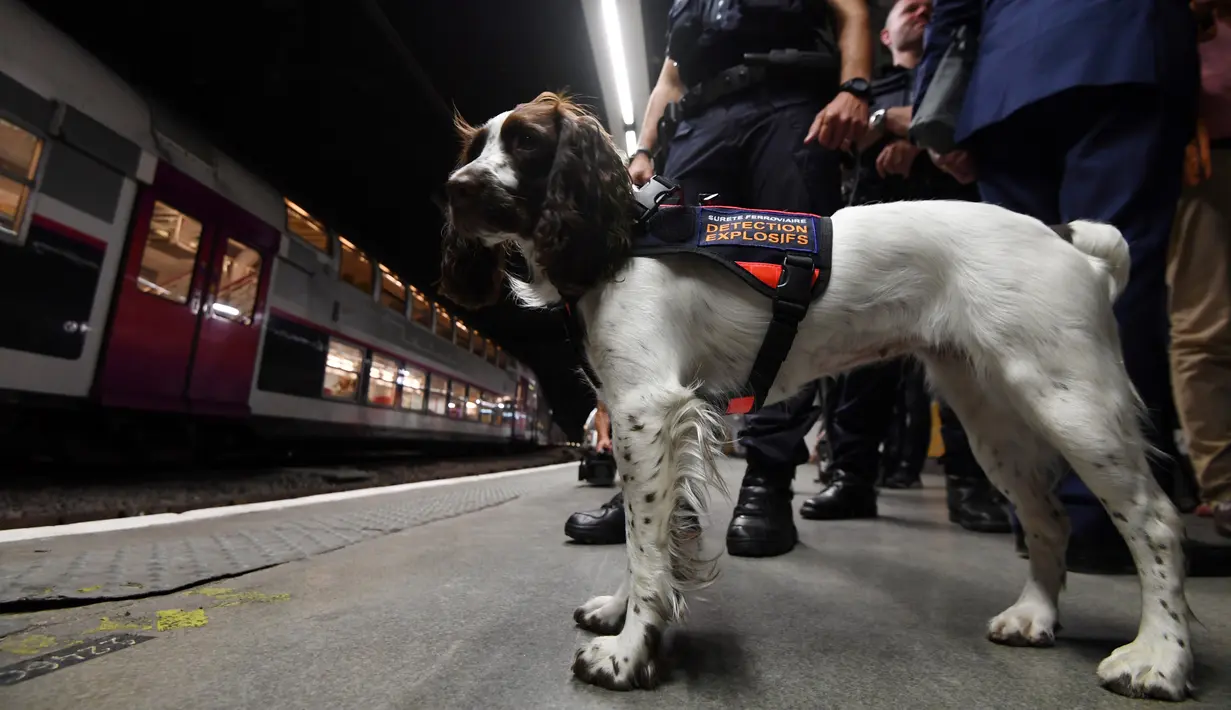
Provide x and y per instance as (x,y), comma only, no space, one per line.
(604,526)
(974,504)
(847,497)
(763,524)
(915,435)
(901,477)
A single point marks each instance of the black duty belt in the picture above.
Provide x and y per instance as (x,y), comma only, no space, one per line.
(782,67)
(725,83)
(787,256)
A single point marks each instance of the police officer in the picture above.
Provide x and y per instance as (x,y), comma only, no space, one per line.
(889,168)
(759,97)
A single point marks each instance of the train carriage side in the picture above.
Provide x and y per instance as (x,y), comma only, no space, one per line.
(70,168)
(349,342)
(143,271)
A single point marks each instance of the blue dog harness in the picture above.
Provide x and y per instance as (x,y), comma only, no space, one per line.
(787,256)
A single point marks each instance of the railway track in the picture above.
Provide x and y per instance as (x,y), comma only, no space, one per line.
(40,495)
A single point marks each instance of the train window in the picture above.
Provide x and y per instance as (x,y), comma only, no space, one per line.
(414,388)
(19,154)
(461,335)
(486,407)
(473,404)
(420,309)
(170,254)
(392,290)
(342,368)
(444,324)
(491,352)
(457,399)
(356,267)
(237,289)
(302,225)
(438,395)
(382,378)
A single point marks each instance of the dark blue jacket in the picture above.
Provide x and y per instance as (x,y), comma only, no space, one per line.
(1032,49)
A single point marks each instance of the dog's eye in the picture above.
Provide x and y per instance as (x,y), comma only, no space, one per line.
(522,139)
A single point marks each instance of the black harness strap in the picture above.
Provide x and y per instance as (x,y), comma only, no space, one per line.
(576,330)
(791,301)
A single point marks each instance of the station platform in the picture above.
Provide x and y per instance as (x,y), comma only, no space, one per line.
(460,594)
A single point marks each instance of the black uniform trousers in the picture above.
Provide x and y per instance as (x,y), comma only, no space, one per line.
(749,149)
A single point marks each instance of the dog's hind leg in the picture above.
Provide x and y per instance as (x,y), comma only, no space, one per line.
(1019,463)
(1085,405)
(666,440)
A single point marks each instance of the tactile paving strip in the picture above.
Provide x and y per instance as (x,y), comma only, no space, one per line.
(107,568)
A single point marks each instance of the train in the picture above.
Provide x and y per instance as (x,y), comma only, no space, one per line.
(153,288)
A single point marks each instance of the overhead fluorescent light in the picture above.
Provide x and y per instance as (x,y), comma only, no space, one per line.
(615,45)
(630,141)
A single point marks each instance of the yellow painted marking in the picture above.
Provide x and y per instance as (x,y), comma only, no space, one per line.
(106,624)
(28,645)
(229,597)
(95,588)
(180,619)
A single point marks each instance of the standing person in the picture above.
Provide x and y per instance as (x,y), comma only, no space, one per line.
(1199,278)
(891,169)
(764,135)
(1081,109)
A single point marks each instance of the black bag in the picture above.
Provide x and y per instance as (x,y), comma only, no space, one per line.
(597,469)
(935,123)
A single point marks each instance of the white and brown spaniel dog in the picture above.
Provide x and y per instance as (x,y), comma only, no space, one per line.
(1014,324)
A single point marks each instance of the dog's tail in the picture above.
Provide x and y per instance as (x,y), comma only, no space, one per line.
(1104,246)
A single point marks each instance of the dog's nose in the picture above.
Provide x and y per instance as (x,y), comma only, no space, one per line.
(462,187)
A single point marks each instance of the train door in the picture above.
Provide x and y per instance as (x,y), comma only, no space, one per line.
(187,320)
(519,406)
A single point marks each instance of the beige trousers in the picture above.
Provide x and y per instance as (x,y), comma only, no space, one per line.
(1199,287)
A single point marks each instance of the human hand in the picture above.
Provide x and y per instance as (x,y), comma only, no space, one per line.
(603,445)
(897,120)
(840,124)
(640,169)
(957,163)
(896,159)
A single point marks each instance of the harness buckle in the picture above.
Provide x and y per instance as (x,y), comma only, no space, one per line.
(650,195)
(794,292)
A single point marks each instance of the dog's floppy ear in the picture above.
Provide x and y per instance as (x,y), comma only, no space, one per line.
(470,271)
(582,235)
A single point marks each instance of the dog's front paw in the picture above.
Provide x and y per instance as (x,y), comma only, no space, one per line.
(1023,624)
(602,615)
(1157,669)
(615,664)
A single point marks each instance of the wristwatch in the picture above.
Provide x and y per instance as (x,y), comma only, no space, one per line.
(859,88)
(648,153)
